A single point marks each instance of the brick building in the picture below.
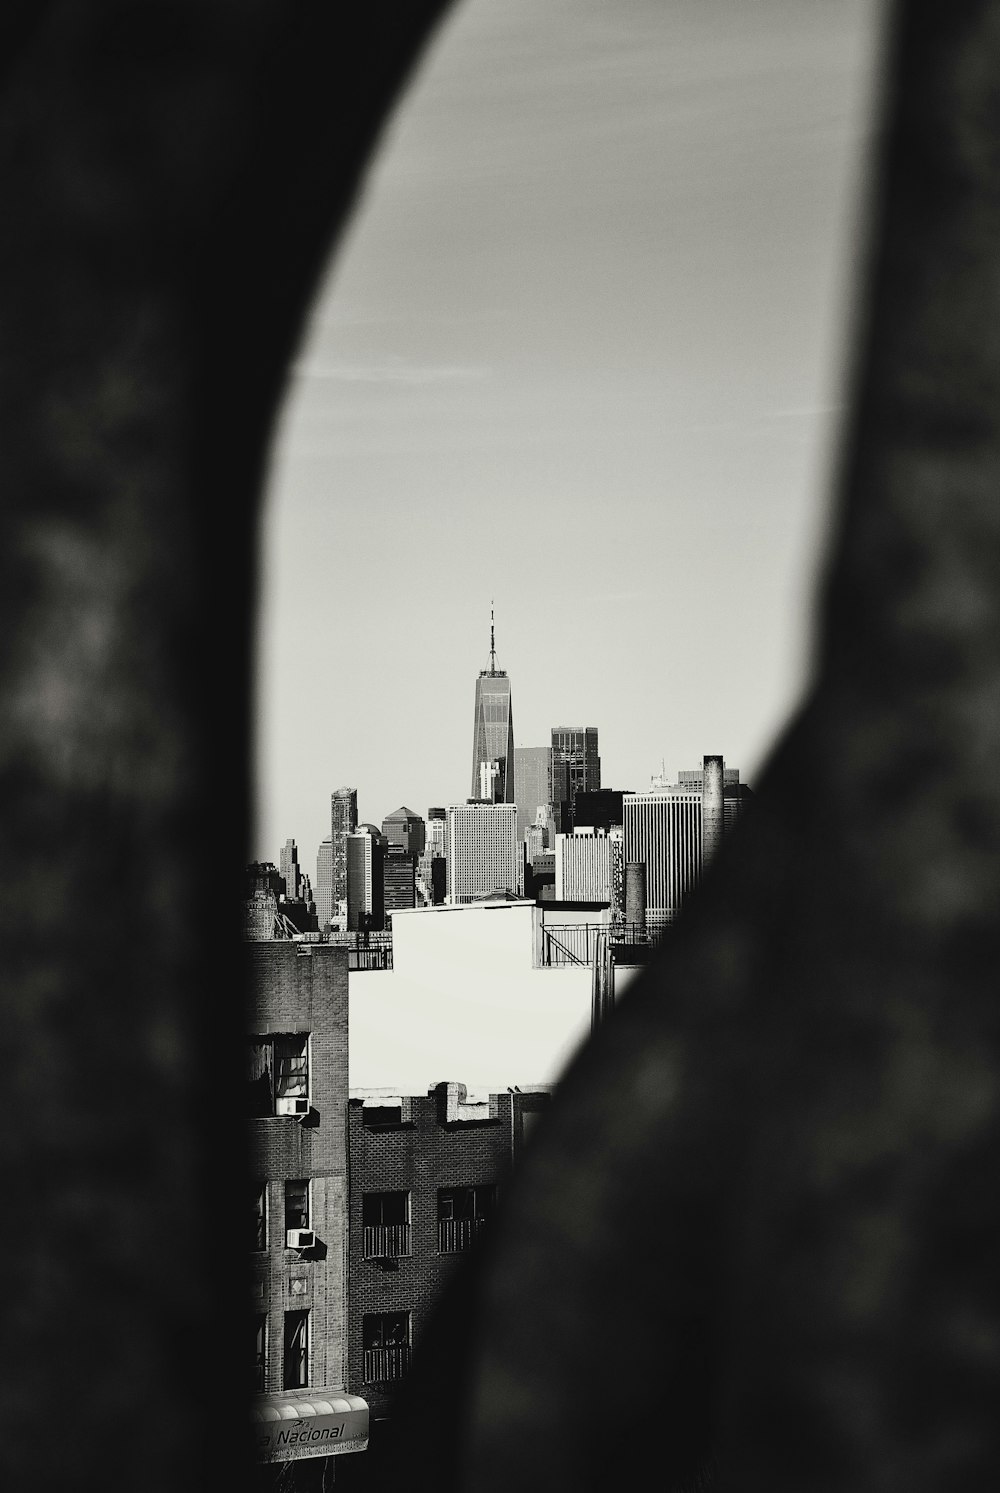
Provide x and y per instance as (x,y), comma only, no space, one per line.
(426,1174)
(297,1028)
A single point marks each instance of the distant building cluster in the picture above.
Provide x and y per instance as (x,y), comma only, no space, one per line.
(537,823)
(363,1201)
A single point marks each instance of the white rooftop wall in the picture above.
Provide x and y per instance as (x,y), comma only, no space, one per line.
(463,999)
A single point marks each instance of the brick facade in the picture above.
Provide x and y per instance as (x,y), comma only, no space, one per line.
(301,988)
(418,1146)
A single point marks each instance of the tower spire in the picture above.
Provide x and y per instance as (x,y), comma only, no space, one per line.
(493,651)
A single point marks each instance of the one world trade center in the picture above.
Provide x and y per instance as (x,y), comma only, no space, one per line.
(493,734)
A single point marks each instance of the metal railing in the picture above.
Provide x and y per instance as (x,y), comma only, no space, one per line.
(383,1365)
(365,950)
(569,943)
(458,1234)
(566,944)
(386,1241)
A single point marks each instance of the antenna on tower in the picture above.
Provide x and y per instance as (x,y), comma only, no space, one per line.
(493,651)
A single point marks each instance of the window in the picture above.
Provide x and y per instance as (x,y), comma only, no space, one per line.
(259,1234)
(386,1338)
(295,1368)
(296,1205)
(463,1213)
(260,1351)
(279,1075)
(385,1218)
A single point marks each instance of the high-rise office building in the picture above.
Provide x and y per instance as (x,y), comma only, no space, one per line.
(399,879)
(600,808)
(406,830)
(540,781)
(493,733)
(484,855)
(676,828)
(432,866)
(325,901)
(663,831)
(436,831)
(365,879)
(343,822)
(577,747)
(288,864)
(589,867)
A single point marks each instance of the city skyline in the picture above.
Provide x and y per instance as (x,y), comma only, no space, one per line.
(569,359)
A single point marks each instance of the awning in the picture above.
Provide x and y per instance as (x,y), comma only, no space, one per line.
(290,1426)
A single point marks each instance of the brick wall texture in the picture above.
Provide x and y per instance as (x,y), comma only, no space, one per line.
(293,988)
(419,1157)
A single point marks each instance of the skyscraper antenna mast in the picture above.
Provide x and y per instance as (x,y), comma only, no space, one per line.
(493,652)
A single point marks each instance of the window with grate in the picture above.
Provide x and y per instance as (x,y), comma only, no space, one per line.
(463,1213)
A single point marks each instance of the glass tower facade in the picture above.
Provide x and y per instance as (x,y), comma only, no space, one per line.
(577,747)
(493,736)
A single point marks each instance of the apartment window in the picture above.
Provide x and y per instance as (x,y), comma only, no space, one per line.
(260,1351)
(386,1339)
(279,1075)
(297,1205)
(463,1213)
(259,1235)
(295,1367)
(385,1218)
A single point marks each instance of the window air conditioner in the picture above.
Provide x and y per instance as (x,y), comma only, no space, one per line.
(300,1239)
(292,1107)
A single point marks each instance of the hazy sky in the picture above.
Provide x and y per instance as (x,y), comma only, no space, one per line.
(581,353)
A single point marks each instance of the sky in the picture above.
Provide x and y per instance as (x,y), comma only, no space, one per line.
(579,354)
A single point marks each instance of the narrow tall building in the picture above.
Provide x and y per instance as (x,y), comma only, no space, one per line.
(296,1020)
(493,733)
(432,867)
(540,781)
(325,902)
(291,875)
(577,747)
(365,883)
(343,822)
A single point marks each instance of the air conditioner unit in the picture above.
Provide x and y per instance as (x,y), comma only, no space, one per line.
(300,1239)
(292,1107)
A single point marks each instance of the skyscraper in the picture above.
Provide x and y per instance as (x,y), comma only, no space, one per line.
(365,884)
(676,828)
(663,831)
(325,903)
(343,822)
(589,867)
(493,733)
(406,830)
(399,879)
(432,866)
(577,747)
(291,875)
(483,853)
(538,781)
